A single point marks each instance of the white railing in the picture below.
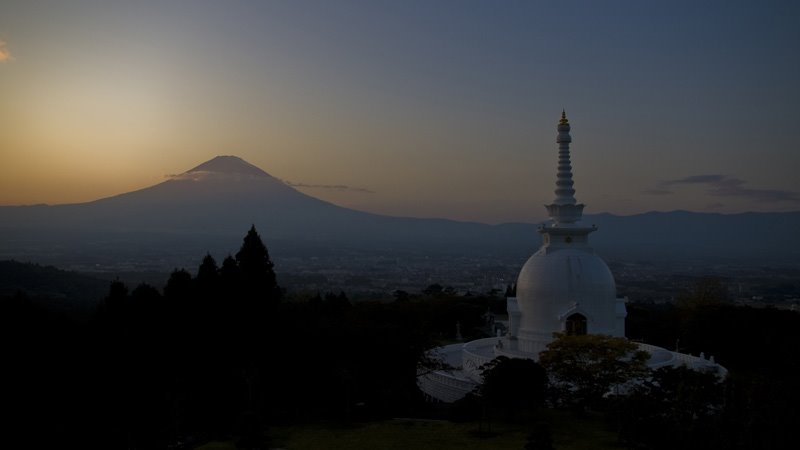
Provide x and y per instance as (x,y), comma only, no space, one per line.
(477,353)
(445,387)
(449,386)
(661,357)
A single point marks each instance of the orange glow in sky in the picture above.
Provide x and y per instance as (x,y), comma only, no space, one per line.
(423,108)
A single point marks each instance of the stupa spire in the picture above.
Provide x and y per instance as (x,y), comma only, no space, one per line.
(564,209)
(563,120)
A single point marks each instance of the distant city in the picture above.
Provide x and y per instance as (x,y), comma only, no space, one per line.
(379,276)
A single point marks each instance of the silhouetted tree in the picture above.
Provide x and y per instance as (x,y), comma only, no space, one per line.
(145,295)
(229,273)
(433,290)
(146,305)
(179,292)
(515,385)
(115,314)
(336,304)
(400,295)
(117,297)
(583,368)
(207,292)
(147,318)
(757,346)
(256,273)
(676,407)
(207,277)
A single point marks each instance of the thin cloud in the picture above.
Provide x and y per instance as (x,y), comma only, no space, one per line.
(200,175)
(192,176)
(656,191)
(725,186)
(695,179)
(5,53)
(333,187)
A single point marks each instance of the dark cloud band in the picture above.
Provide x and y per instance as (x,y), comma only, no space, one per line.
(725,186)
(335,187)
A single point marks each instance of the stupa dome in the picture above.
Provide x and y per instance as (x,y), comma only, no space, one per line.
(556,285)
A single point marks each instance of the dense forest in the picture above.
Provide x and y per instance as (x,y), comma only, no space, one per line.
(222,353)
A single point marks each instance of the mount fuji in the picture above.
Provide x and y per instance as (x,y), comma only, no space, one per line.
(216,202)
(209,208)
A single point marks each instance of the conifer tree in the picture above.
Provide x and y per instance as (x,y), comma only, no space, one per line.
(178,288)
(208,272)
(229,272)
(117,297)
(256,272)
(207,287)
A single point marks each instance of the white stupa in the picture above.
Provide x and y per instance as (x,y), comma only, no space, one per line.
(565,287)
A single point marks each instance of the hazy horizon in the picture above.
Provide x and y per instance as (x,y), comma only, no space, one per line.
(416,109)
(199,173)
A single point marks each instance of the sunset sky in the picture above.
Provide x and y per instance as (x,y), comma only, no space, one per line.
(415,108)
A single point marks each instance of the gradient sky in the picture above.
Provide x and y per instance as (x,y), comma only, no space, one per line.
(419,108)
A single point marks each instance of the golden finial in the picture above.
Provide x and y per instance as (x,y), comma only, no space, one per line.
(563,120)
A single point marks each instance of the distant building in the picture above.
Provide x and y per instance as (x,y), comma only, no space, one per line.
(563,288)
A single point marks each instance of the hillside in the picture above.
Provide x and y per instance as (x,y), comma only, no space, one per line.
(58,290)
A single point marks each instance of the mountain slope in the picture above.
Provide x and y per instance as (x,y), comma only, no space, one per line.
(219,200)
(210,207)
(57,290)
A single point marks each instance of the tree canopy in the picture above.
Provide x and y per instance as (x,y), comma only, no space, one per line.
(584,368)
(514,384)
(675,407)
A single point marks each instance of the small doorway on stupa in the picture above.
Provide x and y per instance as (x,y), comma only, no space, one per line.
(576,325)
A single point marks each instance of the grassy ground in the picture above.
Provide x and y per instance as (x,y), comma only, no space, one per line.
(569,433)
(400,435)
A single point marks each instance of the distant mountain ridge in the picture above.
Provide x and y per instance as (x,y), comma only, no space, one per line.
(763,238)
(211,206)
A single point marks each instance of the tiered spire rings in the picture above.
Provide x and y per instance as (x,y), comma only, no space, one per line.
(564,209)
